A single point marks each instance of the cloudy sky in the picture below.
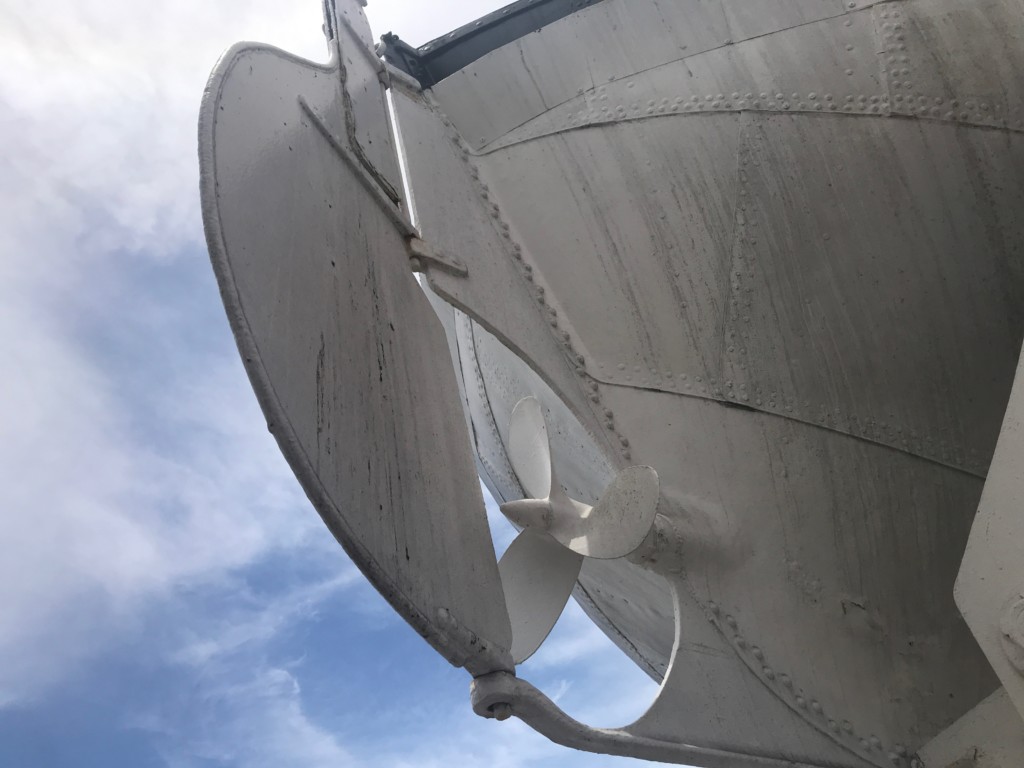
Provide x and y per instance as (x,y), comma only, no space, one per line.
(169,597)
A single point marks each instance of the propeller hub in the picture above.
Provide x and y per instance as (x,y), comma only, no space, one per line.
(540,568)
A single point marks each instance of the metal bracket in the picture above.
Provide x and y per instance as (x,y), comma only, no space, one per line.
(499,695)
(397,78)
(422,257)
(375,184)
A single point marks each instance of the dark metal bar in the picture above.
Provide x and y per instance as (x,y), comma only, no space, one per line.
(436,60)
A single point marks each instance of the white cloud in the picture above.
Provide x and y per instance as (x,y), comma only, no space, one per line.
(100,101)
(235,706)
(273,615)
(99,180)
(97,518)
(136,462)
(255,723)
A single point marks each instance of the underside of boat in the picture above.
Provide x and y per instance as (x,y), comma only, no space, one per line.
(772,250)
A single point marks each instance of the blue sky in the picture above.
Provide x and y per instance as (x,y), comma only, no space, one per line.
(169,596)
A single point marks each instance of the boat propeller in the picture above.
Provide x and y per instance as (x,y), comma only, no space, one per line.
(540,568)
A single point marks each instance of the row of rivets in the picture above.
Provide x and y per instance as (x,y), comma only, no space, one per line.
(906,104)
(898,69)
(904,101)
(886,432)
(871,428)
(742,271)
(539,292)
(764,101)
(505,476)
(597,106)
(842,731)
(764,396)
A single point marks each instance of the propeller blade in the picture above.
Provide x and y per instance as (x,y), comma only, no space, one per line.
(528,448)
(538,575)
(620,521)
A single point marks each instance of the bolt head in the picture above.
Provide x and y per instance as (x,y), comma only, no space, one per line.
(500,711)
